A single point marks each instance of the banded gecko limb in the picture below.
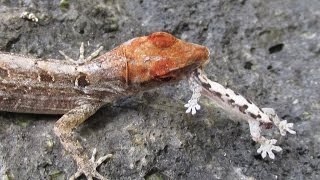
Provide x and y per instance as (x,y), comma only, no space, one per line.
(238,106)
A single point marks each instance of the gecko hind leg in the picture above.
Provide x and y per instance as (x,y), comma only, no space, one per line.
(81,59)
(64,130)
(266,145)
(283,126)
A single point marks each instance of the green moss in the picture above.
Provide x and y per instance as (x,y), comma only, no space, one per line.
(56,175)
(23,123)
(64,4)
(154,176)
(7,176)
(307,115)
(270,37)
(49,144)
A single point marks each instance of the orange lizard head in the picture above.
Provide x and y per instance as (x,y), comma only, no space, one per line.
(161,58)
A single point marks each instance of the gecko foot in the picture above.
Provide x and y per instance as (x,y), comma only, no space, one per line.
(89,169)
(81,59)
(283,126)
(267,147)
(192,105)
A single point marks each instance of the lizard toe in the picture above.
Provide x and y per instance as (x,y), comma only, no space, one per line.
(89,169)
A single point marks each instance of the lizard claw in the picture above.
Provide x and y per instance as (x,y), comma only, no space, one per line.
(89,168)
(284,127)
(267,147)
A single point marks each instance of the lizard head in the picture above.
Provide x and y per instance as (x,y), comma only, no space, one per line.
(161,58)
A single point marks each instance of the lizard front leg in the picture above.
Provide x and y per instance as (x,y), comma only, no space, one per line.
(64,130)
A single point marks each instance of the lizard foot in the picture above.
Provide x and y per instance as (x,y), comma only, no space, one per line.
(192,105)
(81,59)
(283,126)
(267,147)
(89,168)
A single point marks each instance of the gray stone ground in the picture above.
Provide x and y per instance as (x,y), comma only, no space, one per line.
(266,50)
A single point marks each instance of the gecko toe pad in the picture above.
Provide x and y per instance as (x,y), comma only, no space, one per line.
(267,147)
(285,127)
(192,105)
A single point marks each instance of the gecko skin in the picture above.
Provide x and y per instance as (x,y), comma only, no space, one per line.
(77,89)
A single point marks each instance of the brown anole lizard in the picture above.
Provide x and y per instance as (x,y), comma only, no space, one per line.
(77,89)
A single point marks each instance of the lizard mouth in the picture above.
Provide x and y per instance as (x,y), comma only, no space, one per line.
(179,73)
(171,77)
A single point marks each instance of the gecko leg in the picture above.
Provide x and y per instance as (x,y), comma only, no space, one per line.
(64,130)
(283,126)
(237,105)
(81,59)
(267,145)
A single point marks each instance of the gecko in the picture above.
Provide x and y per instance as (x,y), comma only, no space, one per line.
(76,89)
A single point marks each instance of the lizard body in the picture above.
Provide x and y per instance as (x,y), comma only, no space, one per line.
(77,89)
(53,86)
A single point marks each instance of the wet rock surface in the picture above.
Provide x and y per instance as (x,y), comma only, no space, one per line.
(266,50)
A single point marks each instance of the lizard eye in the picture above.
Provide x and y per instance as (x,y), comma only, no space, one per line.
(162,39)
